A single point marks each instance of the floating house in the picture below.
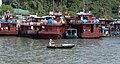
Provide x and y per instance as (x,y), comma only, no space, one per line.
(87,26)
(8,25)
(90,26)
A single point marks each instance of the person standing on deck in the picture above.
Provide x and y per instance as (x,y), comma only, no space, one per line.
(7,15)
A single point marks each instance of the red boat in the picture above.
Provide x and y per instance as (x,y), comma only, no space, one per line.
(87,26)
(8,25)
(89,29)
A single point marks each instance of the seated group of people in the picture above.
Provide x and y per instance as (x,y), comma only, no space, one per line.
(55,22)
(8,20)
(95,20)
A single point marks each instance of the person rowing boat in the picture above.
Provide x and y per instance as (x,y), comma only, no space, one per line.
(51,43)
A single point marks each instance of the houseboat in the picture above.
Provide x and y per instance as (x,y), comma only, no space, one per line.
(85,24)
(89,27)
(8,25)
(43,27)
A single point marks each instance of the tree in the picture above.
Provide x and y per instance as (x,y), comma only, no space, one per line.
(7,7)
(42,7)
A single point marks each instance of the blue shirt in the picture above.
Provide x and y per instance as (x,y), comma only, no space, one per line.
(8,20)
(2,20)
(50,21)
(13,20)
(84,21)
(97,20)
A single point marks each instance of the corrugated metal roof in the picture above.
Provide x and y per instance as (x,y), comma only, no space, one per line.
(21,11)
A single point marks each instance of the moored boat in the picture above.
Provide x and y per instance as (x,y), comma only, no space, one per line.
(8,25)
(89,27)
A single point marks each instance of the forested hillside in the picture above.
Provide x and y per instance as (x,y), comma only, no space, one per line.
(101,8)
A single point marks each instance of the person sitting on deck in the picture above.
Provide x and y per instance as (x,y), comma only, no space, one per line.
(2,20)
(85,20)
(13,20)
(54,22)
(95,20)
(50,21)
(51,43)
(8,21)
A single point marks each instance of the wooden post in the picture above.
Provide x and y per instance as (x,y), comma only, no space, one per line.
(61,6)
(83,6)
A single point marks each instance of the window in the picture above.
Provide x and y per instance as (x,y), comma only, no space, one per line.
(92,28)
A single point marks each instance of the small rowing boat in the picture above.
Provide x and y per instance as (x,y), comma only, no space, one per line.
(64,46)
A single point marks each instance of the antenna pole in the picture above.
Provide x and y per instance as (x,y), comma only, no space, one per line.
(61,6)
(83,6)
(53,6)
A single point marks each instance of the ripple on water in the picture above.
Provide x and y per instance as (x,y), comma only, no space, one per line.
(17,50)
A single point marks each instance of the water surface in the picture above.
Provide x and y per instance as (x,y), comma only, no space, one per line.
(19,50)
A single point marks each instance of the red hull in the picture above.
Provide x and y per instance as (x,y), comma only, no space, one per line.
(47,35)
(8,33)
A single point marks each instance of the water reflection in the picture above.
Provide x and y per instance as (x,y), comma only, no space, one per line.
(17,50)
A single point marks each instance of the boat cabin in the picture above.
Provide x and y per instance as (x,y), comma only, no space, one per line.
(84,16)
(52,31)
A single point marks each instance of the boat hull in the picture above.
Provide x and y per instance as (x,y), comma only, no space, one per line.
(48,35)
(64,46)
